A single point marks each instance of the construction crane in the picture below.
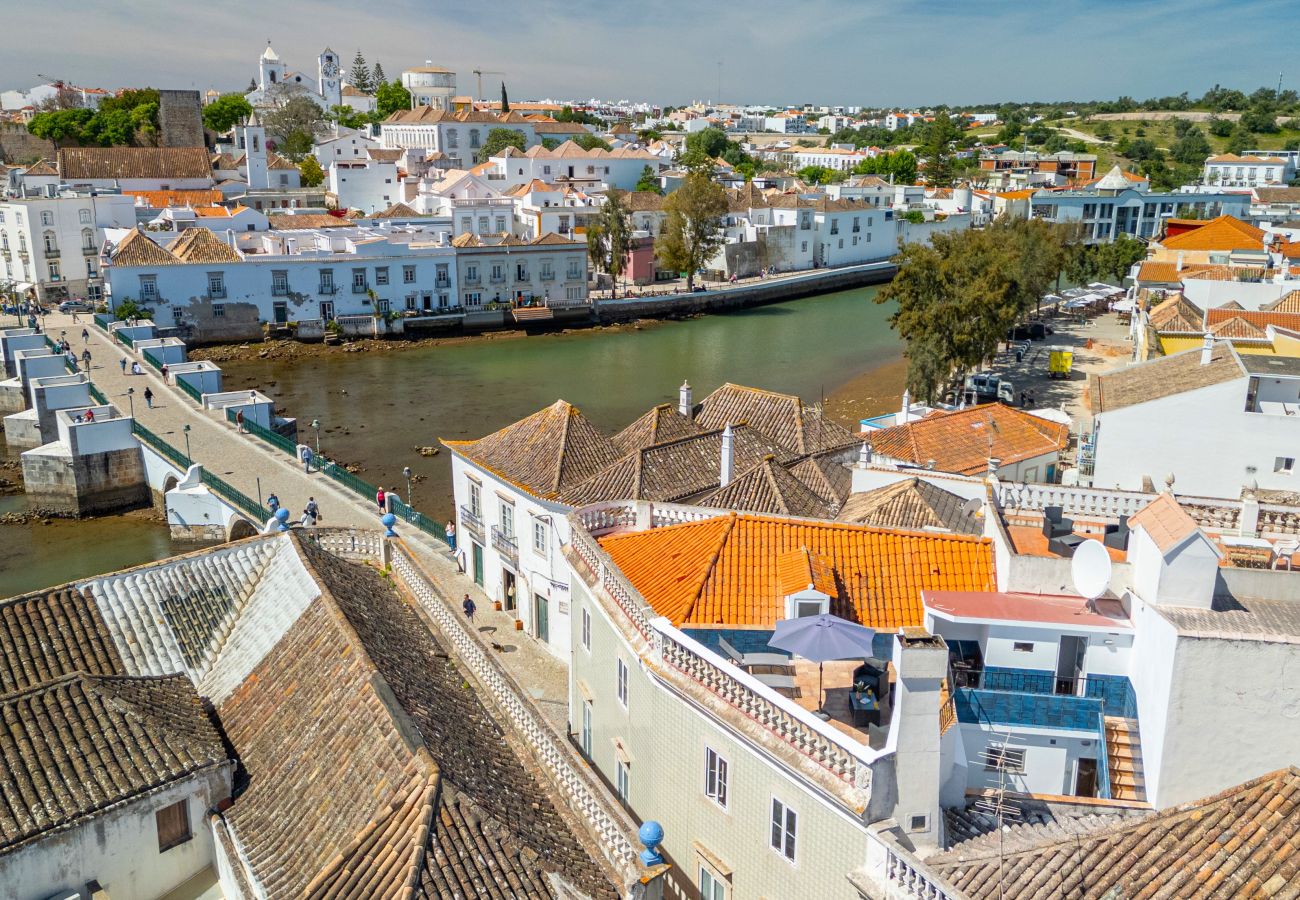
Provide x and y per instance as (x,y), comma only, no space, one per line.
(480,73)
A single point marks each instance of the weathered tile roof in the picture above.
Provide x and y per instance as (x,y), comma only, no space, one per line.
(48,635)
(74,746)
(643,201)
(1224,233)
(1165,521)
(1163,377)
(133,162)
(961,441)
(1239,328)
(769,488)
(1177,315)
(551,451)
(829,478)
(675,470)
(200,245)
(138,249)
(1287,303)
(1261,319)
(970,829)
(782,417)
(1243,842)
(723,571)
(662,423)
(397,211)
(311,220)
(911,504)
(164,199)
(41,168)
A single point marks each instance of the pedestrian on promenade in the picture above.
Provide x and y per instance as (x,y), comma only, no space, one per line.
(381,500)
(272,502)
(135,369)
(239,421)
(163,371)
(85,336)
(75,321)
(72,360)
(123,362)
(1031,399)
(306,458)
(468,605)
(451,534)
(85,358)
(310,513)
(148,397)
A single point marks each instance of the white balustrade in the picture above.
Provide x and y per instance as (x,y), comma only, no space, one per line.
(348,543)
(911,880)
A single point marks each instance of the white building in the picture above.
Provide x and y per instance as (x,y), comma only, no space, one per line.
(52,244)
(1230,170)
(458,136)
(549,271)
(43,93)
(370,185)
(1211,421)
(430,86)
(570,164)
(347,145)
(276,82)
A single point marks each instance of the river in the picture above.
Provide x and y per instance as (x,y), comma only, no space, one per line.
(375,409)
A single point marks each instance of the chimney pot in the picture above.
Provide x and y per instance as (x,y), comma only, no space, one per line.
(685,400)
(1207,349)
(728,466)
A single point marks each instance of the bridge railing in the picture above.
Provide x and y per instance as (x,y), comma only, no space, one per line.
(219,486)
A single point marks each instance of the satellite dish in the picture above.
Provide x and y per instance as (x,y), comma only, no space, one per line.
(973,506)
(1090,568)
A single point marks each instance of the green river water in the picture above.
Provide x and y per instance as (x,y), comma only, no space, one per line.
(376,408)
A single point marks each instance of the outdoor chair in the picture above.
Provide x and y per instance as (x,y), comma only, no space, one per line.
(751,660)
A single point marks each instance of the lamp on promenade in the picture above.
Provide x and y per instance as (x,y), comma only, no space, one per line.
(186,430)
(130,398)
(406,470)
(315,423)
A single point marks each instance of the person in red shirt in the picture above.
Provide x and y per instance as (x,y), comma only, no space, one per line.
(382,500)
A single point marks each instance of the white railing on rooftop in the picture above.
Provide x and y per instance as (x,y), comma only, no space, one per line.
(1077,501)
(911,880)
(780,718)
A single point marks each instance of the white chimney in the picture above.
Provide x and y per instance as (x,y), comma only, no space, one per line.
(685,401)
(864,455)
(921,662)
(1207,349)
(907,406)
(728,456)
(1178,266)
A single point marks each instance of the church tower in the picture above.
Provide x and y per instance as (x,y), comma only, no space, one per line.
(331,79)
(252,138)
(270,69)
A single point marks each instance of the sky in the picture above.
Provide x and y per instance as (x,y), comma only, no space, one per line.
(862,52)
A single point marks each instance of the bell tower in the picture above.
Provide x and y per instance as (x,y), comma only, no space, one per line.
(331,80)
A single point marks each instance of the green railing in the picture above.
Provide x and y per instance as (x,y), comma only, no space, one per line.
(346,478)
(190,391)
(416,518)
(98,396)
(152,360)
(275,439)
(103,320)
(219,486)
(166,449)
(125,338)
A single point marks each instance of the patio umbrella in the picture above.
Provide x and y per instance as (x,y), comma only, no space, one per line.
(821,638)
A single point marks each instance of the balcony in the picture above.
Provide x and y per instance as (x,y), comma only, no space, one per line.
(328,289)
(1033,710)
(547,276)
(498,279)
(360,288)
(89,251)
(473,279)
(216,293)
(442,284)
(471,522)
(506,545)
(53,252)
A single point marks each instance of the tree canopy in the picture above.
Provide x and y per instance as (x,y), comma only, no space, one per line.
(692,230)
(609,237)
(498,139)
(591,142)
(129,119)
(648,181)
(900,164)
(311,172)
(390,98)
(226,112)
(294,124)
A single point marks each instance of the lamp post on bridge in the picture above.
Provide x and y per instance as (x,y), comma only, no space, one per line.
(315,423)
(186,430)
(406,470)
(130,398)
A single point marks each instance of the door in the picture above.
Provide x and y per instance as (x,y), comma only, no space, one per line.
(478,563)
(1085,778)
(327,310)
(508,589)
(541,608)
(428,302)
(1069,664)
(281,312)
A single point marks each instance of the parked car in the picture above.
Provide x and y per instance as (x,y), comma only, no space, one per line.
(989,389)
(68,306)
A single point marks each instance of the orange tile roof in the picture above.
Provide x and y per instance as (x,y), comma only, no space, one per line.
(961,441)
(728,570)
(1223,233)
(1238,328)
(1260,319)
(164,199)
(1165,521)
(1287,303)
(1256,160)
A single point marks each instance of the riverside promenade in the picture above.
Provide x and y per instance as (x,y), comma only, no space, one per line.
(249,465)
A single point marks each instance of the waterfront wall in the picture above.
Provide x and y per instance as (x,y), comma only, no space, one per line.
(822,281)
(91,483)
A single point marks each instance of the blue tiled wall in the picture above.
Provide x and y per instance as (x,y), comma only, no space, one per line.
(752,640)
(1116,692)
(1029,681)
(1042,710)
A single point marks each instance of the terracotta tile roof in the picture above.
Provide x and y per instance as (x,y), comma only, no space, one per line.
(199,245)
(48,635)
(769,488)
(138,249)
(275,161)
(397,211)
(380,154)
(76,163)
(1287,303)
(227,162)
(552,450)
(1163,377)
(782,417)
(723,571)
(1261,319)
(660,424)
(827,477)
(1177,315)
(675,470)
(1165,521)
(74,746)
(1243,842)
(1159,272)
(1231,304)
(551,239)
(643,201)
(802,570)
(1223,233)
(1238,328)
(1235,158)
(311,220)
(961,441)
(914,505)
(1278,194)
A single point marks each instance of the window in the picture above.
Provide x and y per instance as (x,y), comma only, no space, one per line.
(83,215)
(279,282)
(148,288)
(471,272)
(496,272)
(712,887)
(623,779)
(586,629)
(87,239)
(47,217)
(586,728)
(381,275)
(715,777)
(218,310)
(1023,647)
(327,281)
(54,271)
(539,537)
(507,520)
(621,679)
(473,298)
(383,306)
(173,825)
(575,269)
(359,283)
(476,500)
(1284,465)
(548,271)
(482,224)
(521,271)
(453,138)
(410,301)
(474,138)
(919,823)
(501,223)
(51,242)
(785,824)
(408,274)
(1001,758)
(441,271)
(216,284)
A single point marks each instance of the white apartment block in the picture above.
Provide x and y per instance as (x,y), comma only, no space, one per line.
(51,244)
(458,136)
(1230,170)
(370,185)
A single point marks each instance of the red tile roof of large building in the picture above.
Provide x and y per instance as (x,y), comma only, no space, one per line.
(1224,233)
(961,441)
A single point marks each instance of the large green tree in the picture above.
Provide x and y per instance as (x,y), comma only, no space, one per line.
(648,181)
(311,172)
(128,119)
(692,230)
(591,142)
(360,77)
(226,112)
(937,150)
(391,98)
(294,124)
(609,238)
(900,164)
(498,139)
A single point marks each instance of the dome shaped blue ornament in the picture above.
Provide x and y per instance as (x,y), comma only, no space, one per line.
(389,520)
(651,834)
